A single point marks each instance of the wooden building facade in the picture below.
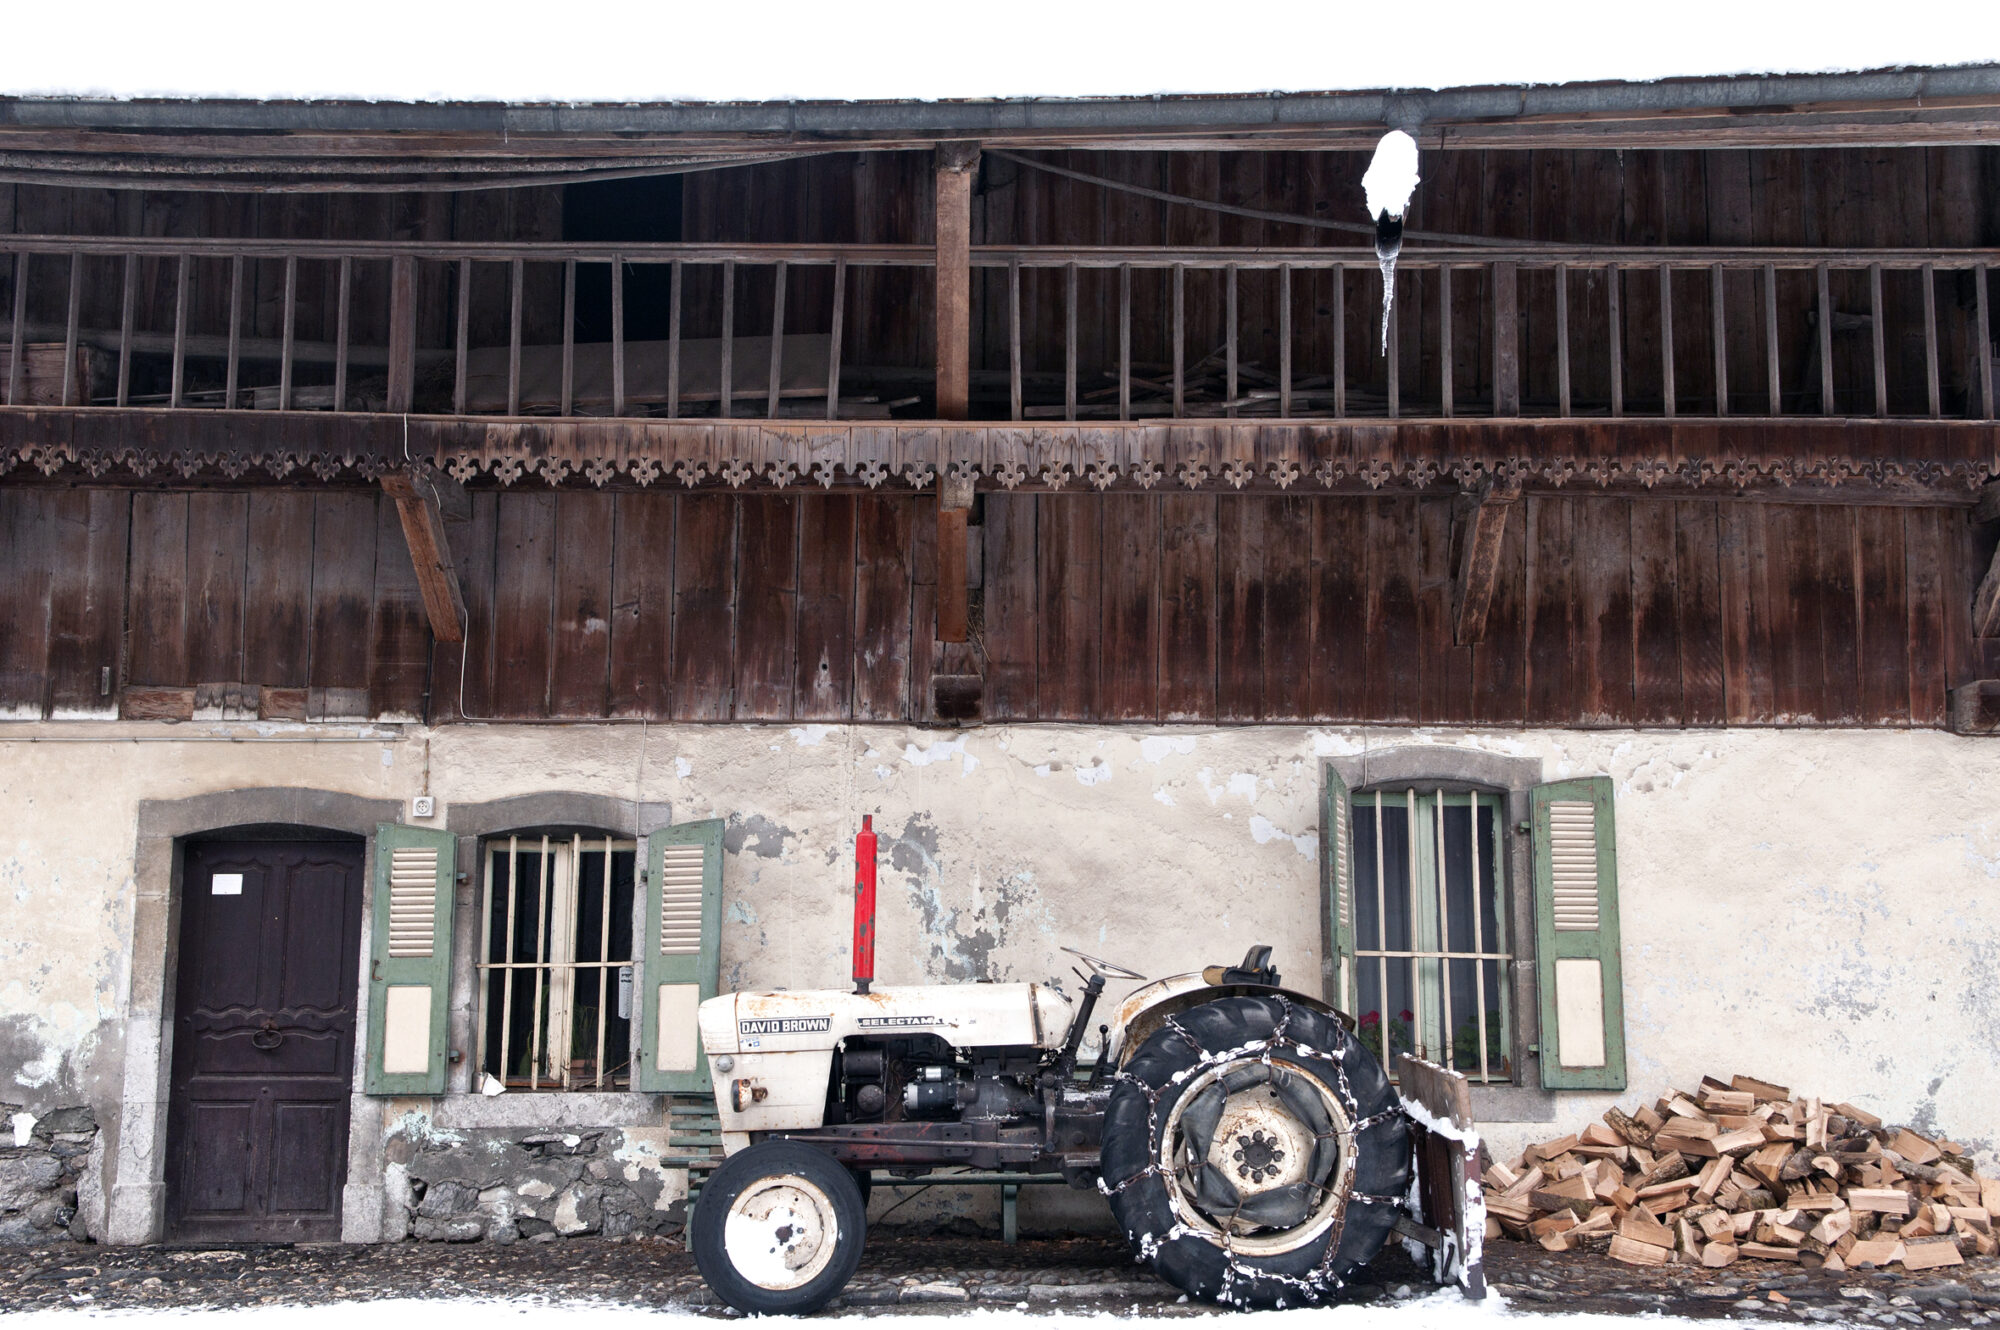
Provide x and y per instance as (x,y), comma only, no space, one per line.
(1744,393)
(581,605)
(425,501)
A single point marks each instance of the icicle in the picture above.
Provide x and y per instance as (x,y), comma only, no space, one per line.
(1386,259)
(1389,184)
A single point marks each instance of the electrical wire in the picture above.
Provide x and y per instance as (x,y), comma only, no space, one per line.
(1259,214)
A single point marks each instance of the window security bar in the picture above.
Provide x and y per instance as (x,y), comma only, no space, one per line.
(1435,888)
(557,898)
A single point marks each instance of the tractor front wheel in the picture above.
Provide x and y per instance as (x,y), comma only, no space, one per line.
(1254,1154)
(779,1229)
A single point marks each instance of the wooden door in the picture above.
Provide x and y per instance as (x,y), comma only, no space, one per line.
(263,1040)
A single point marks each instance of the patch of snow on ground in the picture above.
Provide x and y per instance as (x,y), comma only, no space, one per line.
(1445,1309)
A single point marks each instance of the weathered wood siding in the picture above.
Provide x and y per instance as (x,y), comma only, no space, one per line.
(1818,198)
(519,214)
(1132,608)
(1808,198)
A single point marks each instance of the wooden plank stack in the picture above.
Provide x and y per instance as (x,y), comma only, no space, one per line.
(1743,1169)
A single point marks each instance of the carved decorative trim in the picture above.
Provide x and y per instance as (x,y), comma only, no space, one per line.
(1939,461)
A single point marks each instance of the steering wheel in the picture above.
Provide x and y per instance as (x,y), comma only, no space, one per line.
(1103,967)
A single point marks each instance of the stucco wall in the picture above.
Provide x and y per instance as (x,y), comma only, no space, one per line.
(1816,908)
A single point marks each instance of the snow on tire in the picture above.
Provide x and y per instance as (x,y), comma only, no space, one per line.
(1254,1153)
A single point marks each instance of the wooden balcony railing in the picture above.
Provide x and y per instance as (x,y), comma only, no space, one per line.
(709,331)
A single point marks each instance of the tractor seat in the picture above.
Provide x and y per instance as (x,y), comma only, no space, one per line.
(1255,969)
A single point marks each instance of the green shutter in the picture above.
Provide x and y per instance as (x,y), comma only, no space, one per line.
(1576,936)
(679,954)
(409,968)
(1336,882)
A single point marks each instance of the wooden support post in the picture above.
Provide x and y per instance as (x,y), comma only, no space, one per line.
(1506,348)
(1563,341)
(1982,341)
(421,496)
(125,329)
(958,673)
(1479,558)
(956,163)
(179,372)
(954,509)
(403,341)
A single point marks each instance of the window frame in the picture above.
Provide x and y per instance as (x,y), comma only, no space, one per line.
(1428,921)
(564,850)
(1512,780)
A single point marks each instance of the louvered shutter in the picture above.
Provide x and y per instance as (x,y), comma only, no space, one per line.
(679,954)
(1576,936)
(1336,876)
(409,969)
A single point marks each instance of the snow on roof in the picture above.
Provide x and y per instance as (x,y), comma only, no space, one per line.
(625,51)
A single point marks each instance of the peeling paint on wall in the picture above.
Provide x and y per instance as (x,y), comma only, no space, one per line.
(1772,924)
(756,835)
(416,1125)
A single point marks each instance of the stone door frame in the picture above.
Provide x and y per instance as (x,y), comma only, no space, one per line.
(135,1190)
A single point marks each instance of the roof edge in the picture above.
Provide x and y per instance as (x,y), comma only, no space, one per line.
(1159,114)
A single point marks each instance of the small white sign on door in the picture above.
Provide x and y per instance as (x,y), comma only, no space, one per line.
(226,884)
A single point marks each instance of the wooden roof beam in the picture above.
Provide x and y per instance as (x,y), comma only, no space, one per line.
(1479,557)
(1986,600)
(423,496)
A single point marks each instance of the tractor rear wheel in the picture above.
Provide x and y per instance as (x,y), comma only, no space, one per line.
(779,1228)
(1254,1154)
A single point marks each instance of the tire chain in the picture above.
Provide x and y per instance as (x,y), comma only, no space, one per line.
(1324,1278)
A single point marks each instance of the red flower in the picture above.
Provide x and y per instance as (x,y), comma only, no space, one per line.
(1372,1018)
(1404,1016)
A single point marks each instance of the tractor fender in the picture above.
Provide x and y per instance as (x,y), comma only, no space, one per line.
(1146,1009)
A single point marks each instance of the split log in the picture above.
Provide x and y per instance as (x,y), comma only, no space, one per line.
(1641,1253)
(1745,1170)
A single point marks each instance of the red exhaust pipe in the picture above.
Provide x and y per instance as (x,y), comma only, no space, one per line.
(864,905)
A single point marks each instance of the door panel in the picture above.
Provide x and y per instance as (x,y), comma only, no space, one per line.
(307,1140)
(314,976)
(217,1178)
(222,955)
(263,1060)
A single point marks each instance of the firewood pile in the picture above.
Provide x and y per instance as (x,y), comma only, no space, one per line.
(1745,1170)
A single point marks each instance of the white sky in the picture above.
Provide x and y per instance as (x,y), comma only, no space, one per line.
(715,50)
(1443,1310)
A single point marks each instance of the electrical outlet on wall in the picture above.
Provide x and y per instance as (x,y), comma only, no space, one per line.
(423,805)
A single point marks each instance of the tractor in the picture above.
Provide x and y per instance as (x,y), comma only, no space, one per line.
(1252,1150)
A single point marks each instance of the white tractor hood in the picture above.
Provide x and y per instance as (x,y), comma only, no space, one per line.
(963,1015)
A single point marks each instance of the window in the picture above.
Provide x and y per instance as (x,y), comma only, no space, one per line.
(1471,915)
(555,974)
(1431,946)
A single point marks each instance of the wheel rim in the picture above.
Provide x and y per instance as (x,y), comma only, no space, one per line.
(781,1232)
(1258,1156)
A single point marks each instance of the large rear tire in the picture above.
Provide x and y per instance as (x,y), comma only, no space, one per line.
(779,1229)
(1254,1154)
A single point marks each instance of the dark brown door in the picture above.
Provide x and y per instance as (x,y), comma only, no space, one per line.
(263,1040)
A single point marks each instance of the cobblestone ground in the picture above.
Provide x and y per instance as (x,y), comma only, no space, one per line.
(927,1273)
